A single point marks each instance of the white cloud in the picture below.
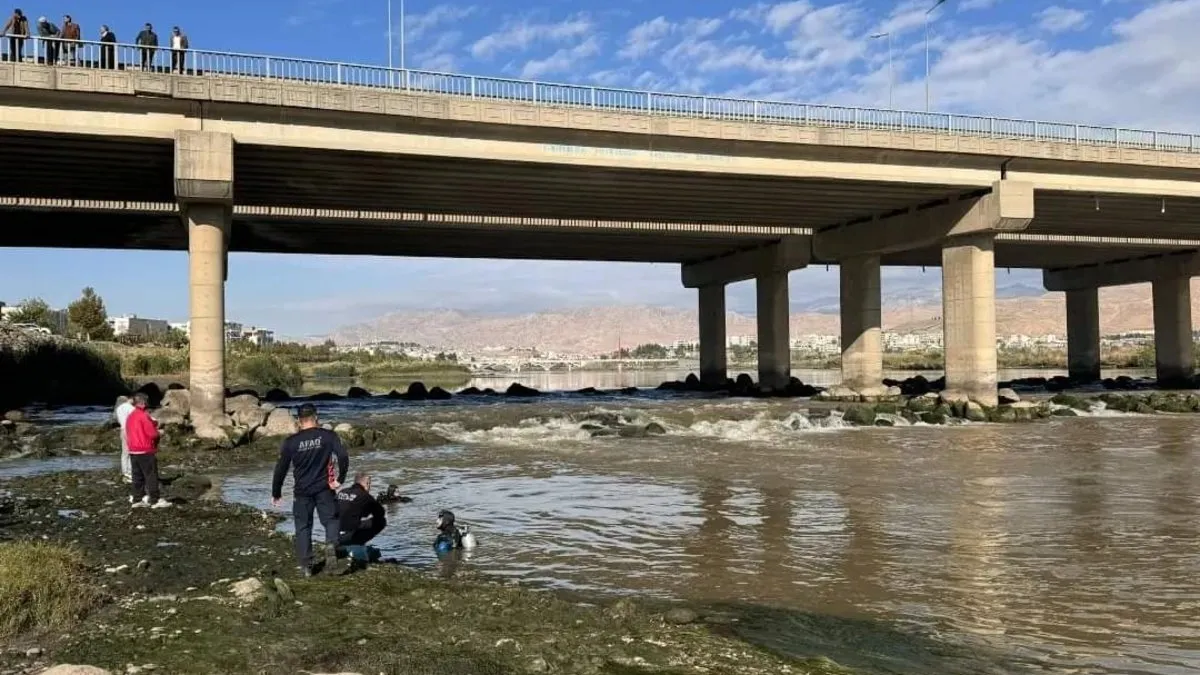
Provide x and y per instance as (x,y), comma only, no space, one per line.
(1055,19)
(968,5)
(416,26)
(562,61)
(519,35)
(645,37)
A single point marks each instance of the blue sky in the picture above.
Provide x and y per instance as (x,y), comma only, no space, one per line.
(1123,62)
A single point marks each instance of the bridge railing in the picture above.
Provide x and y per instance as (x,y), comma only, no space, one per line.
(202,63)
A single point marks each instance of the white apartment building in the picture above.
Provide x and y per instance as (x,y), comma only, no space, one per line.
(138,326)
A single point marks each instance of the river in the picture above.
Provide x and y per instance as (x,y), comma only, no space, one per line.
(1069,546)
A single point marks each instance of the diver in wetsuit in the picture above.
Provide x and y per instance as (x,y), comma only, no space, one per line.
(360,516)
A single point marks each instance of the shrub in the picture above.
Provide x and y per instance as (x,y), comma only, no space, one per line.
(43,586)
(56,371)
(336,370)
(270,372)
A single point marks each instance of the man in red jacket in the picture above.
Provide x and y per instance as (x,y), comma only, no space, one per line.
(142,435)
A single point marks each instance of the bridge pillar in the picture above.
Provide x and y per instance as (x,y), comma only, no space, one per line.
(1083,334)
(204,189)
(1173,350)
(713,359)
(969,317)
(862,342)
(774,348)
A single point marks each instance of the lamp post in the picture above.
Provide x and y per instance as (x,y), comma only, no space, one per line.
(929,11)
(891,68)
(389,20)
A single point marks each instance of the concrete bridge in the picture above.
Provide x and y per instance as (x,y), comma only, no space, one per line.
(270,154)
(516,364)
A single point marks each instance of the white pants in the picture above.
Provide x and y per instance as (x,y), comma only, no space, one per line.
(126,463)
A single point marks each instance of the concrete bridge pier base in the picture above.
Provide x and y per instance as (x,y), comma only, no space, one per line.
(1173,350)
(713,355)
(969,317)
(774,348)
(1083,334)
(862,341)
(204,189)
(208,231)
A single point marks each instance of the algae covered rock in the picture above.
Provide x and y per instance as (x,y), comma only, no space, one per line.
(859,415)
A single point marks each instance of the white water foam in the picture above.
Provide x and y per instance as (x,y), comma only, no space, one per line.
(581,428)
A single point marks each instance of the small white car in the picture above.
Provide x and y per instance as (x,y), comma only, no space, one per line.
(32,328)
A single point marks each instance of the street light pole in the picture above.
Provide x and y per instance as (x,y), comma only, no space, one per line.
(402,34)
(891,69)
(390,51)
(929,11)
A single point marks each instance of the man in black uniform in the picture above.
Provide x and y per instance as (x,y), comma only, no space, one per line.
(311,453)
(361,515)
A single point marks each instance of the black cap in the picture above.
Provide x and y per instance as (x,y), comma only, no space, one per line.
(306,410)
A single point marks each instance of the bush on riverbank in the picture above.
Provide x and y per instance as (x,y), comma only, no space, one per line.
(269,372)
(43,587)
(335,371)
(35,368)
(408,368)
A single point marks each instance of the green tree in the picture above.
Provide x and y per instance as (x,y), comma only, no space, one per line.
(174,338)
(33,310)
(649,350)
(88,317)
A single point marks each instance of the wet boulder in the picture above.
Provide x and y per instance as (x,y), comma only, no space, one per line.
(470,391)
(277,396)
(168,417)
(973,412)
(859,415)
(179,400)
(518,389)
(416,392)
(279,422)
(923,403)
(691,382)
(1076,402)
(246,411)
(357,392)
(439,394)
(1007,396)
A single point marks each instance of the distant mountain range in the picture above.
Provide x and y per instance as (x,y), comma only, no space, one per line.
(1020,310)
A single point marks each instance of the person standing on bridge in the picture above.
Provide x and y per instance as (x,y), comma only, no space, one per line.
(148,41)
(71,37)
(108,48)
(179,47)
(50,35)
(17,29)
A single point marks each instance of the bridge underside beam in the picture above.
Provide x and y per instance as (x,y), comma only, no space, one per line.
(1171,265)
(1008,207)
(781,257)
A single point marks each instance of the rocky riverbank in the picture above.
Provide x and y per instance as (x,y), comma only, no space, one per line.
(209,587)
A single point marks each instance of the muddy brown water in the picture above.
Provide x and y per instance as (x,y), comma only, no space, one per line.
(1068,546)
(1065,547)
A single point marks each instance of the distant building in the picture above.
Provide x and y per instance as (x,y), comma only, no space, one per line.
(233,331)
(259,337)
(138,326)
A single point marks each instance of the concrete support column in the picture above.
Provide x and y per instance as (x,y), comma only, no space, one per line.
(713,360)
(969,317)
(862,341)
(1083,334)
(208,229)
(1173,355)
(204,189)
(774,348)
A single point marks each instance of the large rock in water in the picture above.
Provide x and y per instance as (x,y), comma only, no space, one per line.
(518,389)
(179,400)
(279,423)
(246,411)
(168,417)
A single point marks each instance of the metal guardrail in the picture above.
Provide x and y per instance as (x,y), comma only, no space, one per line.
(194,62)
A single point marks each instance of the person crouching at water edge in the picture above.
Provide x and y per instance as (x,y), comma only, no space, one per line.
(141,434)
(361,519)
(310,453)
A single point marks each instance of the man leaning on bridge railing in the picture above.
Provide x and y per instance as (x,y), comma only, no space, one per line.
(17,29)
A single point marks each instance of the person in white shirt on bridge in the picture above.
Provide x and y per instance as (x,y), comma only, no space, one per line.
(179,46)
